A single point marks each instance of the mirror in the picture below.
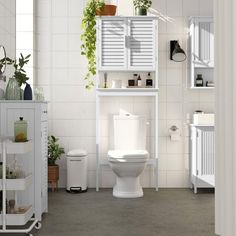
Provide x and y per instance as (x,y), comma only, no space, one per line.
(2,60)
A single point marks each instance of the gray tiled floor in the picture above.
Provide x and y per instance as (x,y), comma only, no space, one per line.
(169,212)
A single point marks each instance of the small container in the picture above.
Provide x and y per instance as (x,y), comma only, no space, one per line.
(149,82)
(139,81)
(20,128)
(131,82)
(199,81)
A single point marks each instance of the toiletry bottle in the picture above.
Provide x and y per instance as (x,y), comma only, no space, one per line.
(20,128)
(139,81)
(199,81)
(105,80)
(135,78)
(149,82)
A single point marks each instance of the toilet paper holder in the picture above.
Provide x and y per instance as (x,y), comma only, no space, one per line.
(174,133)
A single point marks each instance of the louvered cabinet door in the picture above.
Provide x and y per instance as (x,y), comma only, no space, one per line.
(141,44)
(112,44)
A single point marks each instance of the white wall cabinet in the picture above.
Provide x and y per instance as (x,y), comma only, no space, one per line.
(126,43)
(35,113)
(202,49)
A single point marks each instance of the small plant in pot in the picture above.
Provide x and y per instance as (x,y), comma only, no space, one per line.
(141,7)
(54,154)
(13,90)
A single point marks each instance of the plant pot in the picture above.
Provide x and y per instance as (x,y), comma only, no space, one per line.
(13,90)
(53,175)
(140,11)
(108,10)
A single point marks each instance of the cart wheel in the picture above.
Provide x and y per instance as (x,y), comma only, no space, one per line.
(38,225)
(29,234)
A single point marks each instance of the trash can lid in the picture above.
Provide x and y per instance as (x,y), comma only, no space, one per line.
(77,153)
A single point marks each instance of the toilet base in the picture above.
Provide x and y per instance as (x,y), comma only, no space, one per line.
(127,187)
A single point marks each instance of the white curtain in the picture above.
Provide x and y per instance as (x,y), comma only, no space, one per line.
(225,75)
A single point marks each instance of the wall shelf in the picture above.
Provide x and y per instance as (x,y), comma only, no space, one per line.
(202,88)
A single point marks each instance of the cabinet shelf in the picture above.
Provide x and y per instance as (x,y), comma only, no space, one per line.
(17,148)
(201,88)
(18,219)
(17,184)
(127,92)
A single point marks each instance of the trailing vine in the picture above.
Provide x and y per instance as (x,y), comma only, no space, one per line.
(88,38)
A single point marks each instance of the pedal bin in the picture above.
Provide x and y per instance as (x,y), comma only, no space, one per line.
(77,165)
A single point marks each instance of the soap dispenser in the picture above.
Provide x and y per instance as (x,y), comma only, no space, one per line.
(20,129)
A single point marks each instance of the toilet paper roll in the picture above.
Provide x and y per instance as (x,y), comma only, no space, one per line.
(174,133)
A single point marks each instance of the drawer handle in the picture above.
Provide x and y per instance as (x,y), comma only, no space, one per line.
(45,112)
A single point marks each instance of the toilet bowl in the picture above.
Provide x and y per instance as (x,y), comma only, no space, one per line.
(129,157)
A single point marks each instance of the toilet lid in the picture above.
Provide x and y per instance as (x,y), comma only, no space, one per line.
(128,154)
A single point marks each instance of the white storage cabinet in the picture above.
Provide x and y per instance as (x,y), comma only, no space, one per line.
(126,43)
(202,156)
(35,113)
(202,49)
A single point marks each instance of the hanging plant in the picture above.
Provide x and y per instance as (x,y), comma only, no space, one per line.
(88,38)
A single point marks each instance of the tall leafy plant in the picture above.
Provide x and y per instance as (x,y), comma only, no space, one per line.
(19,73)
(54,150)
(88,38)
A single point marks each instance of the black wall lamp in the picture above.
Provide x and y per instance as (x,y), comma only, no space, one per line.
(176,52)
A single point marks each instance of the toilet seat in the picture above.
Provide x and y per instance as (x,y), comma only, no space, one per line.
(127,155)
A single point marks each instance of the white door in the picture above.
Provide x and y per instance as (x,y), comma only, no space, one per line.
(112,44)
(141,44)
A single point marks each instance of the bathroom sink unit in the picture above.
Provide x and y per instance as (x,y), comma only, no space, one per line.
(126,45)
(202,159)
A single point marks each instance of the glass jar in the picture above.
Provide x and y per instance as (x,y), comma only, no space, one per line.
(20,128)
(13,90)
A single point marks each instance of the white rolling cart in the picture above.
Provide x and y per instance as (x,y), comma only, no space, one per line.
(10,149)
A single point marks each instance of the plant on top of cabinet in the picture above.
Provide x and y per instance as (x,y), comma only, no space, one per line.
(88,37)
(13,91)
(54,154)
(141,7)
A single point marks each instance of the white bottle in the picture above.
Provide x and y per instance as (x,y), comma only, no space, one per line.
(139,81)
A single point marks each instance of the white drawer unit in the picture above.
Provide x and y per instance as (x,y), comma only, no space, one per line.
(126,43)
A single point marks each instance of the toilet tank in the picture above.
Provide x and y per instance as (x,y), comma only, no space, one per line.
(129,132)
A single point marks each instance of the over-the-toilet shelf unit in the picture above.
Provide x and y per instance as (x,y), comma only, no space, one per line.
(126,45)
(202,50)
(7,148)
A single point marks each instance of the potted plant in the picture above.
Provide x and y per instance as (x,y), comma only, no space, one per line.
(88,37)
(141,7)
(54,154)
(13,91)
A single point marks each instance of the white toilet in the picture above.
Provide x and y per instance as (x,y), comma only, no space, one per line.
(129,157)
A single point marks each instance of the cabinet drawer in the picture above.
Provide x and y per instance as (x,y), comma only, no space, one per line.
(44,113)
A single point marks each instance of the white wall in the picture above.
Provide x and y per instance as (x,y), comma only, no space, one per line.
(8,31)
(60,70)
